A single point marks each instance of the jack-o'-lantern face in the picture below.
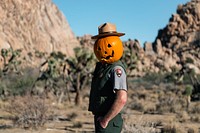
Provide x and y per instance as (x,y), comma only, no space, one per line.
(108,49)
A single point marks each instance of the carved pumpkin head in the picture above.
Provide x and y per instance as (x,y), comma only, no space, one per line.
(108,49)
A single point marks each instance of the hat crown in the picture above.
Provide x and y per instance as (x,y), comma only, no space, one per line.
(107,28)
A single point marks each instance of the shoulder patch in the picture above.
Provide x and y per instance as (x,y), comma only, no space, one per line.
(118,71)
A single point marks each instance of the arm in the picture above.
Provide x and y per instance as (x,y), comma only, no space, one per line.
(120,101)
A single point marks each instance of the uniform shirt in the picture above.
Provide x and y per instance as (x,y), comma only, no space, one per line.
(119,78)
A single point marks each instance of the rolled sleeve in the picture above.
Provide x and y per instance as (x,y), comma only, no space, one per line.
(119,78)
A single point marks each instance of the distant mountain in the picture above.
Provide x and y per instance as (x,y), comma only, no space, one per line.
(34,26)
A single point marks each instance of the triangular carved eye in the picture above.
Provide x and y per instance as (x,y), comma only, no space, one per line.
(109,45)
(99,48)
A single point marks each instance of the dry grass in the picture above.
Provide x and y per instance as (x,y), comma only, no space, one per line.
(161,99)
(28,111)
(158,108)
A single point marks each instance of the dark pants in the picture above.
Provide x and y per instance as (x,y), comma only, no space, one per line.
(114,126)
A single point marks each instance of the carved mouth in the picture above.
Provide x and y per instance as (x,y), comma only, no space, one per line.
(109,56)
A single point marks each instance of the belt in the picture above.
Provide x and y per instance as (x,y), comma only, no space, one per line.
(98,113)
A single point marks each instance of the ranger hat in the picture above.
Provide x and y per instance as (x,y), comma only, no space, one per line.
(107,29)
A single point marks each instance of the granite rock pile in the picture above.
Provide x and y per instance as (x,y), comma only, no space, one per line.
(176,46)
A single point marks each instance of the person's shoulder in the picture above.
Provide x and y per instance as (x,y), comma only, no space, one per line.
(119,70)
(118,67)
(120,63)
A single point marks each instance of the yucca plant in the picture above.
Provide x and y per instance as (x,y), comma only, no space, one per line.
(129,58)
(80,69)
(52,76)
(11,59)
(188,93)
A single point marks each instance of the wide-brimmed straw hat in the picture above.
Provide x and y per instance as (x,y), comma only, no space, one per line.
(107,29)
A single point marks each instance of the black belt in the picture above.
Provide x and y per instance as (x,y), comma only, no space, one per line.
(98,113)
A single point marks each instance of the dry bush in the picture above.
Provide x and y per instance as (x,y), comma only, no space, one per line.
(72,115)
(142,127)
(190,130)
(195,118)
(176,128)
(170,103)
(28,111)
(77,125)
(183,116)
(169,129)
(195,109)
(136,106)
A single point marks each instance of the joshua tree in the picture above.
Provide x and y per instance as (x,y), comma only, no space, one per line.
(53,75)
(188,93)
(130,57)
(194,50)
(196,87)
(80,70)
(11,60)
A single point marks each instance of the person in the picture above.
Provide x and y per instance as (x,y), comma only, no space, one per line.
(108,93)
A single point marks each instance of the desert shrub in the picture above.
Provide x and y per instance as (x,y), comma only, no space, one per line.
(28,111)
(20,86)
(154,78)
(137,106)
(173,76)
(195,109)
(169,129)
(14,84)
(189,60)
(150,110)
(141,127)
(1,73)
(183,116)
(195,118)
(77,125)
(190,130)
(188,90)
(11,60)
(72,115)
(186,79)
(170,104)
(3,91)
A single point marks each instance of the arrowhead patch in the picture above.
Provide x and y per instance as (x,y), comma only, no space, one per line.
(118,72)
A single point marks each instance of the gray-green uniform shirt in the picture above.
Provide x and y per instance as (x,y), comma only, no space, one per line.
(118,78)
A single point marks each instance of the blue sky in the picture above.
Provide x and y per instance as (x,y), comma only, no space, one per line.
(138,19)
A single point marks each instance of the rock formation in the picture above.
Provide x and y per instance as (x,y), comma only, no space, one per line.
(34,26)
(181,37)
(177,45)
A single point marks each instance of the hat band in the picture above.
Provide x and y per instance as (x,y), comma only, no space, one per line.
(108,32)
